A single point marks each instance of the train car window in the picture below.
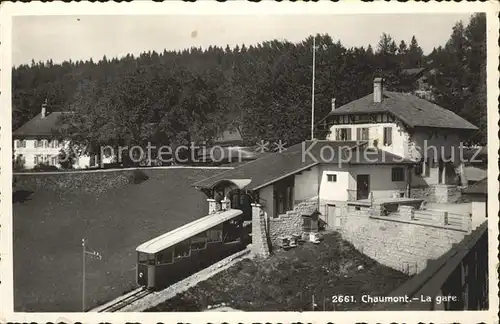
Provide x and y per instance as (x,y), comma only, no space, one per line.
(232,230)
(151,259)
(165,257)
(142,257)
(182,250)
(199,241)
(214,235)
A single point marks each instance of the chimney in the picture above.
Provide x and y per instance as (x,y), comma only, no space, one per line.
(44,109)
(378,89)
(333,104)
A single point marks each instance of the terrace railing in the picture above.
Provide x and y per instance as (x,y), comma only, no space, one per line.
(444,218)
(461,273)
(352,195)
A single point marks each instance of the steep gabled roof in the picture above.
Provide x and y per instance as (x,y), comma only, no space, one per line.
(276,166)
(38,126)
(410,109)
(412,71)
(231,135)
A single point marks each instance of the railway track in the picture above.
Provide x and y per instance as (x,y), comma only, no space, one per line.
(122,303)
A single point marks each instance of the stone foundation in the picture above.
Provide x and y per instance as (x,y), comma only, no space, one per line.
(260,244)
(402,246)
(291,222)
(266,231)
(426,193)
(407,212)
(439,193)
(445,193)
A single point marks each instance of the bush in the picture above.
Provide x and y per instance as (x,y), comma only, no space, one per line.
(18,163)
(138,176)
(43,167)
(67,159)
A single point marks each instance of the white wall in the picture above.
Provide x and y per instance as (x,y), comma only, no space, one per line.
(266,199)
(478,212)
(334,191)
(306,185)
(446,143)
(381,183)
(400,137)
(437,144)
(30,151)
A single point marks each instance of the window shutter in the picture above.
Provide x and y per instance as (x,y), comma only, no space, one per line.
(389,136)
(358,134)
(337,134)
(348,134)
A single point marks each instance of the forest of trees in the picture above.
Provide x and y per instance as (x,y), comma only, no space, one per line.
(174,97)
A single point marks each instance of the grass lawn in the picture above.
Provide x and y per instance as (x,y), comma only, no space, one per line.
(52,213)
(288,280)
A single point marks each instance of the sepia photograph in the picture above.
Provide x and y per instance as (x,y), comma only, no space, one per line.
(314,162)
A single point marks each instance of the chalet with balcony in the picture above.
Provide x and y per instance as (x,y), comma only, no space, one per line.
(407,126)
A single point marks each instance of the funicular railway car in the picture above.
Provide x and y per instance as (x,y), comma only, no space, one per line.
(188,249)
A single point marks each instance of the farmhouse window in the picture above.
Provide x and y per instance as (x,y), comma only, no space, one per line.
(38,159)
(165,256)
(182,250)
(362,134)
(21,143)
(343,134)
(199,242)
(52,160)
(45,143)
(331,177)
(387,136)
(283,196)
(398,174)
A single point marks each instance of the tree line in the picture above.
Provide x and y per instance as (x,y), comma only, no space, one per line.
(175,97)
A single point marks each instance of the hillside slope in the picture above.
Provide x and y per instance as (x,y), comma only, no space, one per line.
(113,215)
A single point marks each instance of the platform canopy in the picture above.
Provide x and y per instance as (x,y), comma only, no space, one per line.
(189,230)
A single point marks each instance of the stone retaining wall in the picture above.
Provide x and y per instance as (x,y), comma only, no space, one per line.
(401,246)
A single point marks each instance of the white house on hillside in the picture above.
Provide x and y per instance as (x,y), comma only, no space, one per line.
(36,141)
(407,126)
(368,160)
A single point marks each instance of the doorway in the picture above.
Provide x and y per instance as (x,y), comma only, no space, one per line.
(332,216)
(362,186)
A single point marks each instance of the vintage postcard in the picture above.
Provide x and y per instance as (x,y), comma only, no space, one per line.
(246,162)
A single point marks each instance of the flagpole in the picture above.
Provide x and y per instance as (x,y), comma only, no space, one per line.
(83,275)
(313,76)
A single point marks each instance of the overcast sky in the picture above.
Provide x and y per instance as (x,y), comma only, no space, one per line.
(82,37)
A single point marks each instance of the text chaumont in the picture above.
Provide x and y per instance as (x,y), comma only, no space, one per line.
(384,299)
